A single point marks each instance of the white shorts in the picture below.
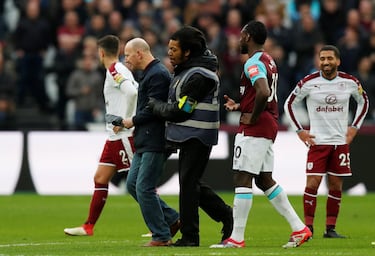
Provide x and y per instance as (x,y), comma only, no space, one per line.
(252,154)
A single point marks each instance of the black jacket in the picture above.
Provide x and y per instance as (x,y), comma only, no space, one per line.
(149,134)
(196,88)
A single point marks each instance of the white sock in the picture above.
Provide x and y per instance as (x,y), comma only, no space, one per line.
(243,200)
(280,201)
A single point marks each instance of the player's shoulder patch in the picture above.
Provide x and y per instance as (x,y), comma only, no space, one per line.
(117,76)
(253,70)
(360,89)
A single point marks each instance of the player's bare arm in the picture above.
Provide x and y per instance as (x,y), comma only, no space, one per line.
(350,134)
(306,137)
(262,93)
(245,118)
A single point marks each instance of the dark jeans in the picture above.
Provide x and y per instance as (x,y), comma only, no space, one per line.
(144,174)
(193,159)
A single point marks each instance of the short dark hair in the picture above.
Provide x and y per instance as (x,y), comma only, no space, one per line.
(333,48)
(257,30)
(110,44)
(191,38)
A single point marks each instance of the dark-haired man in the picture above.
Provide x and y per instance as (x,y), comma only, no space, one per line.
(120,95)
(192,113)
(253,154)
(327,94)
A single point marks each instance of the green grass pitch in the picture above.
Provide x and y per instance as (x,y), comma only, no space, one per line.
(33,225)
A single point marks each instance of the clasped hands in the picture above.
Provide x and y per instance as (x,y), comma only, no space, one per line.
(119,122)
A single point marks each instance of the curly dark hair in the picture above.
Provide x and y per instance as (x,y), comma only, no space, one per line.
(191,38)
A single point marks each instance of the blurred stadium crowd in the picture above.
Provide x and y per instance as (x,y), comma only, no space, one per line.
(50,77)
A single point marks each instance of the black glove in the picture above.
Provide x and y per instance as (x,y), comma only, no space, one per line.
(118,122)
(167,111)
(113,119)
(151,103)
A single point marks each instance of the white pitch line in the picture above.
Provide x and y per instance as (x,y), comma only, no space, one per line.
(28,244)
(52,243)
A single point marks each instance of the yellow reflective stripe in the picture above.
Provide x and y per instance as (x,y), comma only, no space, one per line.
(181,102)
(186,104)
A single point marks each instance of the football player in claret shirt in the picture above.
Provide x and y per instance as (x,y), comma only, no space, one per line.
(120,95)
(253,154)
(327,93)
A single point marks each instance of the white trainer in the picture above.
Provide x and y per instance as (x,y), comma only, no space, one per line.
(79,231)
